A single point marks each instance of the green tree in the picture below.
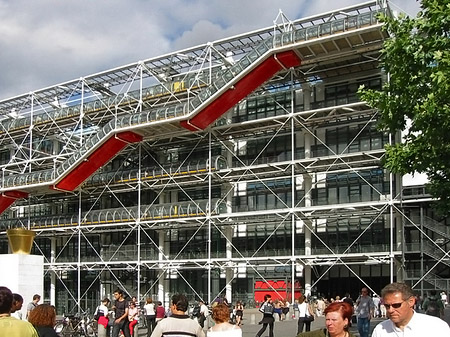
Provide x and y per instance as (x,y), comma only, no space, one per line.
(416,97)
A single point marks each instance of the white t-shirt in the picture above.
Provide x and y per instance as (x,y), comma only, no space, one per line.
(419,325)
(233,332)
(204,310)
(17,314)
(303,310)
(102,308)
(149,309)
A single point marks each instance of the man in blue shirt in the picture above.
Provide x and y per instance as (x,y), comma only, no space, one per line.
(364,312)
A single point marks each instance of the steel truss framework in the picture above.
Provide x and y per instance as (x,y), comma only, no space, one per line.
(257,195)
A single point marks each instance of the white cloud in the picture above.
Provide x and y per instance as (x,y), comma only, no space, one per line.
(51,41)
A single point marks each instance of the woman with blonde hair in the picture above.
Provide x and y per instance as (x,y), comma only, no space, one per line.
(222,328)
(43,318)
(150,315)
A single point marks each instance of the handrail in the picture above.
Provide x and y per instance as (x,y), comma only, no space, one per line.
(432,251)
(222,79)
(118,215)
(433,225)
(191,167)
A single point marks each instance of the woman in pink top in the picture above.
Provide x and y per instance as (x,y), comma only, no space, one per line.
(133,314)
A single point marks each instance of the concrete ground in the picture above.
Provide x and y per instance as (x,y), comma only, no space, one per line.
(287,328)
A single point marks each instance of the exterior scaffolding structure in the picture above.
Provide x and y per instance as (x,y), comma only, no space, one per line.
(238,167)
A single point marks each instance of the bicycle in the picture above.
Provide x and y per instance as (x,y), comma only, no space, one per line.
(76,326)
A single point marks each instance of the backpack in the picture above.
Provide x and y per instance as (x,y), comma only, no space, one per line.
(196,311)
(98,314)
(433,307)
(267,308)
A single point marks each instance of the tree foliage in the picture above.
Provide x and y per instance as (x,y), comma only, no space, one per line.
(416,97)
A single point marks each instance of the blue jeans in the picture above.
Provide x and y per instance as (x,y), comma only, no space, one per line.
(363,326)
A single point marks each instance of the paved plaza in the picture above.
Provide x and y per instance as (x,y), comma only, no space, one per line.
(288,328)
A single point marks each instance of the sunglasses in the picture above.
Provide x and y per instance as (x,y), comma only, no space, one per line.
(394,305)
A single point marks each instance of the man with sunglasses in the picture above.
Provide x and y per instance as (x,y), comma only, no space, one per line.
(399,301)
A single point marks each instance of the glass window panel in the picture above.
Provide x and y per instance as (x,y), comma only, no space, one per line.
(365,144)
(261,202)
(342,147)
(288,198)
(321,196)
(354,147)
(251,202)
(329,103)
(343,194)
(281,200)
(376,142)
(271,201)
(342,101)
(354,193)
(378,190)
(366,194)
(332,195)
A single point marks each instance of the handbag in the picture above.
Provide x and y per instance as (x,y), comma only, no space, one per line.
(309,318)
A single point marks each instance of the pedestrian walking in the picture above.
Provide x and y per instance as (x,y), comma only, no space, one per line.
(267,310)
(364,312)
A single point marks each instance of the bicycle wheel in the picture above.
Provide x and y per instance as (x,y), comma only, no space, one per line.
(68,331)
(59,329)
(90,331)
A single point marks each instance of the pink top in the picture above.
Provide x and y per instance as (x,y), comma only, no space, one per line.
(132,313)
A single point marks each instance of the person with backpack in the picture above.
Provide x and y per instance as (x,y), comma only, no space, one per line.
(267,310)
(433,305)
(203,313)
(101,316)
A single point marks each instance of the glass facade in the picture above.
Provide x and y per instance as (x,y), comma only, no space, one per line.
(287,186)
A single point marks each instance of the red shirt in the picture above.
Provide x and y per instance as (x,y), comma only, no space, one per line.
(160,312)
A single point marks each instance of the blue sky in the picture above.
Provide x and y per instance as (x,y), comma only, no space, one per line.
(47,42)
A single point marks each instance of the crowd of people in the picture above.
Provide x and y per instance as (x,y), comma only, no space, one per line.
(406,314)
(398,303)
(124,315)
